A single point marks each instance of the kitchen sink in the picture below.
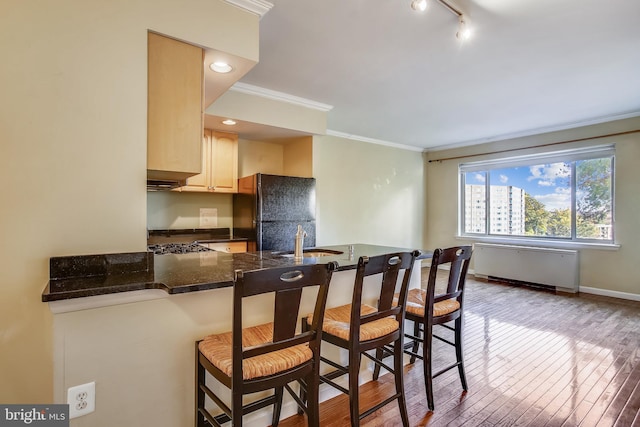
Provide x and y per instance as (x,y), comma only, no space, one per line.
(311,253)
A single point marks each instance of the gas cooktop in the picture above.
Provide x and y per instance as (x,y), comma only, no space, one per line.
(182,241)
(177,248)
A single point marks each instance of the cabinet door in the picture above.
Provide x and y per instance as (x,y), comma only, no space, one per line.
(201,181)
(174,108)
(219,164)
(224,162)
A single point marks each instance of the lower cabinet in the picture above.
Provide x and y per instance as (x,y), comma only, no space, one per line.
(230,247)
(219,164)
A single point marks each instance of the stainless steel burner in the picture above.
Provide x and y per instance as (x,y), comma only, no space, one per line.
(177,248)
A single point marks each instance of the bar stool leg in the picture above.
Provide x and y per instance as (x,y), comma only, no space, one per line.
(277,406)
(200,378)
(354,401)
(426,351)
(236,409)
(398,353)
(313,405)
(376,367)
(459,359)
(416,343)
(303,394)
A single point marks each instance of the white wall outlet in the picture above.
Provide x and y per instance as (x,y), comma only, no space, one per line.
(81,399)
(208,217)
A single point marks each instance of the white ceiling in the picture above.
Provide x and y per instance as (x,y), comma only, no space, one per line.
(395,75)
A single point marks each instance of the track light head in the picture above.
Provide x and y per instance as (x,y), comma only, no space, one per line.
(419,5)
(464,32)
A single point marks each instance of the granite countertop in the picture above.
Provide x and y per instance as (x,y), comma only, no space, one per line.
(91,275)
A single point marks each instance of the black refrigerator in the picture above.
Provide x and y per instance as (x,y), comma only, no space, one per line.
(268,209)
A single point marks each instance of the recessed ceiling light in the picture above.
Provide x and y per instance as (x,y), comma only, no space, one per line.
(229,122)
(220,67)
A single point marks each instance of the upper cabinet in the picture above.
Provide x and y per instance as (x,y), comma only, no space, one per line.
(219,164)
(174,109)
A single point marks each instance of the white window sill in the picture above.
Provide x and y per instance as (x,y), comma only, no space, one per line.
(556,244)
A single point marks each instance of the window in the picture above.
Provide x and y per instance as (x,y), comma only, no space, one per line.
(566,195)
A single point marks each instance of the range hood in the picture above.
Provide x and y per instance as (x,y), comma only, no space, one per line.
(166,180)
(164,184)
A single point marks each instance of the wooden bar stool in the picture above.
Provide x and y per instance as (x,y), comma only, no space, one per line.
(425,309)
(267,356)
(359,327)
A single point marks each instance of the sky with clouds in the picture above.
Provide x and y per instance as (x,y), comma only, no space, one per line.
(548,183)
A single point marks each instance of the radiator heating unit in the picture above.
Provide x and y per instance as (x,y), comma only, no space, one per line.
(557,268)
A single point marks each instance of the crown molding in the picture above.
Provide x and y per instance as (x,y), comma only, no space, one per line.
(257,7)
(538,131)
(279,96)
(373,141)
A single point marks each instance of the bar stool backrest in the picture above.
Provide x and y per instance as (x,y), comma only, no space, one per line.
(458,258)
(287,284)
(394,268)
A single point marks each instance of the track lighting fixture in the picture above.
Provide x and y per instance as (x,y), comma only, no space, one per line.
(464,32)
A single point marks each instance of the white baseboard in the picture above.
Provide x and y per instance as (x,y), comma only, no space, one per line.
(608,293)
(588,290)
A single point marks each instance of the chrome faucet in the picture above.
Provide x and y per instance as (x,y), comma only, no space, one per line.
(300,235)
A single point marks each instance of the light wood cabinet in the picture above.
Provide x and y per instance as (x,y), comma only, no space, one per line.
(174,108)
(219,164)
(230,247)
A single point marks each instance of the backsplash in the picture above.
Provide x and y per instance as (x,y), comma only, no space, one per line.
(176,210)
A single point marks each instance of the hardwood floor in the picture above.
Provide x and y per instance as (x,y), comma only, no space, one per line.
(533,358)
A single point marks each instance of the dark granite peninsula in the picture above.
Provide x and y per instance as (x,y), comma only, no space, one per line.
(92,275)
(142,313)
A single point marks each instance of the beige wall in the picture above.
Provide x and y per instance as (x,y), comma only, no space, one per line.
(290,157)
(260,157)
(298,157)
(73,151)
(610,272)
(180,210)
(368,193)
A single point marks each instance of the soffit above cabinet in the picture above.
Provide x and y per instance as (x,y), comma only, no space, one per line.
(250,130)
(216,84)
(266,114)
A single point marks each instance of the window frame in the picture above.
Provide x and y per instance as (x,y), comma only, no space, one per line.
(567,156)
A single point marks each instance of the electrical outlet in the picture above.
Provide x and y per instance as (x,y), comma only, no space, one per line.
(208,217)
(81,399)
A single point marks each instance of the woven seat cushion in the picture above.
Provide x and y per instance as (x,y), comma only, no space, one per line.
(217,348)
(337,321)
(417,298)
